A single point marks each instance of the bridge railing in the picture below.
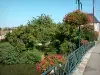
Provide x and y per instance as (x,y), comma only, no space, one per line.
(71,62)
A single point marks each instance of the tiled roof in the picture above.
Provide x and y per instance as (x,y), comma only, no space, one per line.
(95,19)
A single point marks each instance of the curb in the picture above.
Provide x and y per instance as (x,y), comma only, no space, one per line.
(81,67)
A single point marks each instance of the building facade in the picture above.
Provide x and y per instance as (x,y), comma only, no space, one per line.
(96,24)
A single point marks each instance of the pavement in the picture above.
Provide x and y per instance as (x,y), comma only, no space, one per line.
(81,66)
(93,65)
(90,63)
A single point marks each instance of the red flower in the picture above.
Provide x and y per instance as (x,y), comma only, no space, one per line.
(48,61)
(51,63)
(38,68)
(76,17)
(58,56)
(42,61)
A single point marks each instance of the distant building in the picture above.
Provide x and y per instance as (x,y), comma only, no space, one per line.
(4,31)
(96,23)
(3,34)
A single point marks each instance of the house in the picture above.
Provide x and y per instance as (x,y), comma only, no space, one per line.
(4,31)
(3,34)
(96,23)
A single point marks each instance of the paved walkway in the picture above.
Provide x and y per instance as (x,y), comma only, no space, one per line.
(81,67)
(93,65)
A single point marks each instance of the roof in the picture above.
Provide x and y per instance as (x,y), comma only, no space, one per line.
(90,15)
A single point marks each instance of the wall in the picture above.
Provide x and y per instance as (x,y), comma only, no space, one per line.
(97,28)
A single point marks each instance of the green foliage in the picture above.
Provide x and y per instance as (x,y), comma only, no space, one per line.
(15,38)
(87,32)
(8,55)
(42,35)
(65,36)
(26,38)
(29,57)
(39,30)
(65,31)
(66,47)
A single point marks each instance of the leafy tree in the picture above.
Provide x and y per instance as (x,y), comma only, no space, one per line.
(87,32)
(65,32)
(44,35)
(14,38)
(75,19)
(44,28)
(38,30)
(66,47)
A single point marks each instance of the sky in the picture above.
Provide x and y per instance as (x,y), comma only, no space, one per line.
(16,12)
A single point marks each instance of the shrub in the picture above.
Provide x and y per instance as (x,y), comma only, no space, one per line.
(38,30)
(88,33)
(29,57)
(76,18)
(8,55)
(66,47)
(49,61)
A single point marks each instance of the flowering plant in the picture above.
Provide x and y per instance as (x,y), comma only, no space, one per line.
(48,61)
(77,17)
(84,42)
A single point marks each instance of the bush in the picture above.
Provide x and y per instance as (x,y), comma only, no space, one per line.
(38,30)
(76,18)
(66,47)
(29,57)
(8,55)
(49,61)
(88,33)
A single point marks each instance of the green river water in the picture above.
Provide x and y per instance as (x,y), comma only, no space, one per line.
(18,69)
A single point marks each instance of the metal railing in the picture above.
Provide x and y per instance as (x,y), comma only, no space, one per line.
(71,62)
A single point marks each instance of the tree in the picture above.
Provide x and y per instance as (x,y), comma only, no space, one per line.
(38,30)
(15,39)
(76,18)
(66,31)
(87,32)
(65,35)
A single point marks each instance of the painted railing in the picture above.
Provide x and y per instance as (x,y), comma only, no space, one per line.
(71,62)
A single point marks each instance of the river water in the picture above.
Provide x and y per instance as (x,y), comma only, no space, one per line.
(18,69)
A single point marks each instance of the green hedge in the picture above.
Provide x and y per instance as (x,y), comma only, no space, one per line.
(8,55)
